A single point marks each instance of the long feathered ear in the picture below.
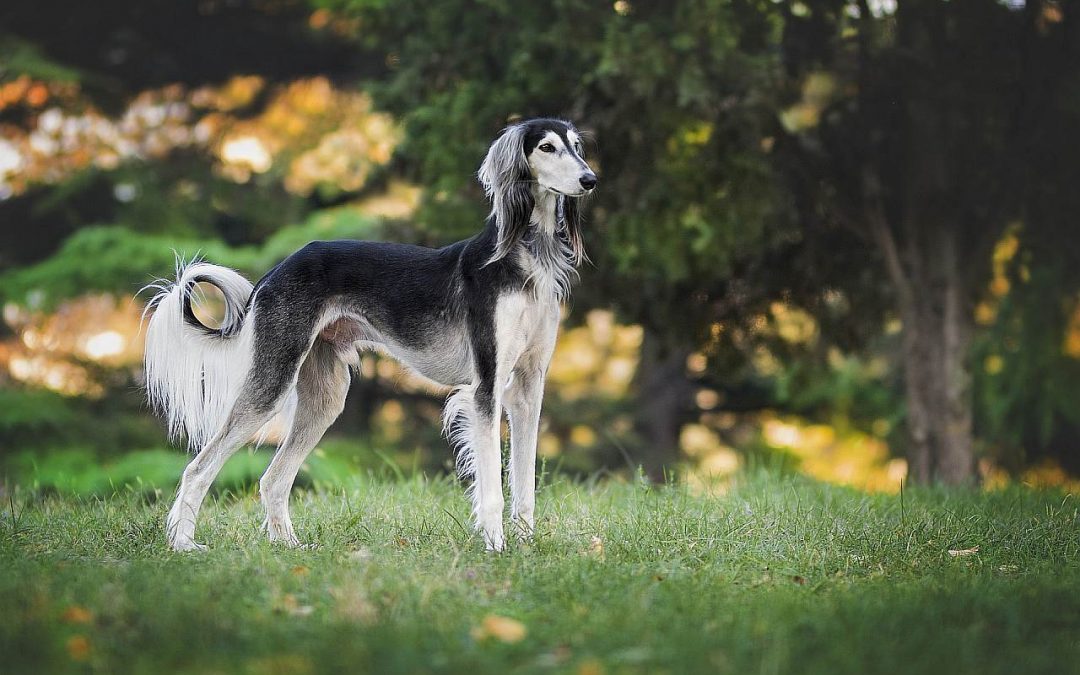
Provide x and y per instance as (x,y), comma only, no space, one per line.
(571,229)
(507,181)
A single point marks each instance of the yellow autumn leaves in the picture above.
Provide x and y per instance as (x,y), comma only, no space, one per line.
(500,628)
(78,646)
(495,629)
(320,136)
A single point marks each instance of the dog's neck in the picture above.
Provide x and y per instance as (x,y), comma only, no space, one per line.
(545,213)
(545,255)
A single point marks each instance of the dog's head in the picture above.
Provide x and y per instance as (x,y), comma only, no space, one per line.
(543,153)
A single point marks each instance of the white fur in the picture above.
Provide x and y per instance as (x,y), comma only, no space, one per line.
(524,399)
(561,169)
(459,425)
(191,377)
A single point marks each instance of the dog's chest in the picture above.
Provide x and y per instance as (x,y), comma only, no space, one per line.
(525,324)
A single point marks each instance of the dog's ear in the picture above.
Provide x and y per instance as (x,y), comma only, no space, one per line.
(506,178)
(570,229)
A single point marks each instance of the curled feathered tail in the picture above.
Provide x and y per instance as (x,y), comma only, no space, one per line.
(194,372)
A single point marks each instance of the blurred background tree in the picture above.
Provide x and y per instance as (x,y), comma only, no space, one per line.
(828,233)
(935,134)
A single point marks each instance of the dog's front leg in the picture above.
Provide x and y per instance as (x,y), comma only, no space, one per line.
(524,398)
(487,464)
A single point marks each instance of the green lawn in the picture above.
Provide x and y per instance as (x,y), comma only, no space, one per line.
(778,576)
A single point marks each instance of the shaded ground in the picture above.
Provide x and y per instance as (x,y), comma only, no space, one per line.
(780,575)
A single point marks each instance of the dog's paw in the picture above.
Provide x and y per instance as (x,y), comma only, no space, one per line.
(291,541)
(280,532)
(185,545)
(494,542)
(180,535)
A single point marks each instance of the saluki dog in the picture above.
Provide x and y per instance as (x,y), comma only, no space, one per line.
(480,316)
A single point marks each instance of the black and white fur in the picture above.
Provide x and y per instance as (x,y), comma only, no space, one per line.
(480,316)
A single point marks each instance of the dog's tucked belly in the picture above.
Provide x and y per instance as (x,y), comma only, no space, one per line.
(342,332)
(447,361)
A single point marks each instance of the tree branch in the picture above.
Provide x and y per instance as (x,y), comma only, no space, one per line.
(883,237)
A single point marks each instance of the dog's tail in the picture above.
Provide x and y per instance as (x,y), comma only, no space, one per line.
(194,372)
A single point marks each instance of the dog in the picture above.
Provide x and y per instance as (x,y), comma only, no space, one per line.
(480,316)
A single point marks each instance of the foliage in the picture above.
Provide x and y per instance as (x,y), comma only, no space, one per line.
(913,127)
(120,260)
(33,422)
(672,95)
(745,149)
(1027,367)
(692,232)
(779,575)
(83,472)
(25,59)
(32,412)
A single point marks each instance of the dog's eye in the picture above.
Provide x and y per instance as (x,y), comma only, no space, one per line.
(547,147)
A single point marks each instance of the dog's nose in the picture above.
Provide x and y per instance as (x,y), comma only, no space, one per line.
(588,181)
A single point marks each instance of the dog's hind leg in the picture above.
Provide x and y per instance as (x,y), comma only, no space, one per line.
(320,392)
(486,448)
(269,380)
(243,421)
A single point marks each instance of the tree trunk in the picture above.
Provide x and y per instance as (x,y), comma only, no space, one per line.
(956,463)
(936,339)
(918,375)
(663,395)
(937,322)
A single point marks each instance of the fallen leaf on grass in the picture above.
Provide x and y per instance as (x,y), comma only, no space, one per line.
(361,554)
(77,614)
(292,607)
(596,548)
(761,581)
(300,571)
(959,552)
(590,667)
(78,647)
(501,628)
(353,604)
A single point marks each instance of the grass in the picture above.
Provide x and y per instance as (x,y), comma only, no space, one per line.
(780,575)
